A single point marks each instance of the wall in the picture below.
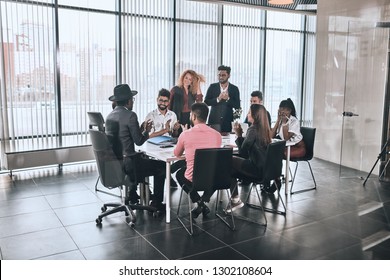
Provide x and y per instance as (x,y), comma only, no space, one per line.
(351,71)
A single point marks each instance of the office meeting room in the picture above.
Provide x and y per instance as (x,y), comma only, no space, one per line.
(194,139)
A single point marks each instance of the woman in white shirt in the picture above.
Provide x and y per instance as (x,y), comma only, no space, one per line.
(287,128)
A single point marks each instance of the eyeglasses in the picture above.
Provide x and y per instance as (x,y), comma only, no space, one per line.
(163,100)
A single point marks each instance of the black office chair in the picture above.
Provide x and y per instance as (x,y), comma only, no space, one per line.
(212,169)
(272,170)
(96,120)
(216,126)
(112,176)
(308,134)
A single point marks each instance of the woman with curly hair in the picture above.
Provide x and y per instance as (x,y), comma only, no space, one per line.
(185,93)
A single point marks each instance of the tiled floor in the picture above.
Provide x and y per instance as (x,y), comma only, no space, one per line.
(45,214)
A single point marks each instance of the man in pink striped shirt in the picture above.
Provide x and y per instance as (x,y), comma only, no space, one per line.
(198,137)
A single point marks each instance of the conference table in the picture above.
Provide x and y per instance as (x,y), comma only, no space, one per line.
(166,155)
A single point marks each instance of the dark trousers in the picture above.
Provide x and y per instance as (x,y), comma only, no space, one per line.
(187,187)
(145,167)
(242,169)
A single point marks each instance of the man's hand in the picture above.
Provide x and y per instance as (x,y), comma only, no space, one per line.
(176,126)
(223,96)
(168,125)
(184,127)
(148,125)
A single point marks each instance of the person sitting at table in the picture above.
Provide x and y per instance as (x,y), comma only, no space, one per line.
(123,131)
(250,161)
(164,120)
(287,128)
(199,136)
(257,98)
(165,123)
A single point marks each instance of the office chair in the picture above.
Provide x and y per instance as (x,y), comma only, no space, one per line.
(96,120)
(272,170)
(308,134)
(112,176)
(212,168)
(216,127)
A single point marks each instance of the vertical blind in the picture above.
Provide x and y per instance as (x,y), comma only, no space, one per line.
(267,50)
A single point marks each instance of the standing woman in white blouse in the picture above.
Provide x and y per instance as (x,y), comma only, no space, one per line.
(287,128)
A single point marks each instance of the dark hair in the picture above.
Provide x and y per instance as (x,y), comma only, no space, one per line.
(164,92)
(200,110)
(224,68)
(257,93)
(261,123)
(121,102)
(288,104)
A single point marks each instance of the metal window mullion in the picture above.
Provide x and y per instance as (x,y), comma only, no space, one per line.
(57,72)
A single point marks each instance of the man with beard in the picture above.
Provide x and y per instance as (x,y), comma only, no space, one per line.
(124,131)
(199,136)
(165,123)
(223,97)
(164,120)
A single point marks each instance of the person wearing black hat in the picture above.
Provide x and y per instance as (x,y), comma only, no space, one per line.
(287,128)
(123,130)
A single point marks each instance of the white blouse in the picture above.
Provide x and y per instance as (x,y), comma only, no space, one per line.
(293,127)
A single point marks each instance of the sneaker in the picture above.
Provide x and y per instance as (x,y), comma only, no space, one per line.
(234,206)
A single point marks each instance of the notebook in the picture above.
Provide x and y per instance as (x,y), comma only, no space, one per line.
(159,140)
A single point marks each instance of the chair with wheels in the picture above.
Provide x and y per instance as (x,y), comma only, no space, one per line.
(271,171)
(212,169)
(112,176)
(96,122)
(308,134)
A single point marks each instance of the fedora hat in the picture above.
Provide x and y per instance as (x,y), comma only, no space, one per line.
(122,92)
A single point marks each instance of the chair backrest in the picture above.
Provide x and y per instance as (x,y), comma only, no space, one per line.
(308,134)
(109,166)
(96,120)
(215,126)
(273,161)
(212,168)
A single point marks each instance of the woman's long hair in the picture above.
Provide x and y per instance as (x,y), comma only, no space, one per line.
(196,78)
(261,123)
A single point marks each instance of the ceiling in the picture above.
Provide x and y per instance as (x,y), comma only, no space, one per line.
(299,6)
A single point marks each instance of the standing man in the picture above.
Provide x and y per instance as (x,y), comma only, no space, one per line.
(198,137)
(164,120)
(123,130)
(223,97)
(257,98)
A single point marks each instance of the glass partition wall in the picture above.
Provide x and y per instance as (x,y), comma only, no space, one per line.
(62,58)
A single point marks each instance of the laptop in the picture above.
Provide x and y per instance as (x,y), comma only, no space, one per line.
(161,140)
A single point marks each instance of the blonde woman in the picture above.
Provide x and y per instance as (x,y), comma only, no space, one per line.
(185,93)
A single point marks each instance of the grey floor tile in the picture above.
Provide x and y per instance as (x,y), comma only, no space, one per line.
(36,244)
